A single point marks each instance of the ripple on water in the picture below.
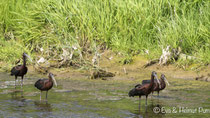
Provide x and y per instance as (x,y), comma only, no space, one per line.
(93,99)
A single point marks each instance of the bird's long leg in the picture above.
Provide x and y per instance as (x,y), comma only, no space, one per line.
(22,82)
(158,93)
(145,109)
(146,99)
(15,81)
(46,95)
(139,103)
(40,95)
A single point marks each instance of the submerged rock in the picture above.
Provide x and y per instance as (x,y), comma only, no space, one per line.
(101,73)
(3,86)
(111,98)
(32,94)
(10,91)
(9,82)
(63,91)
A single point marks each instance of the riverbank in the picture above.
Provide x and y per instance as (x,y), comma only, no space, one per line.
(128,72)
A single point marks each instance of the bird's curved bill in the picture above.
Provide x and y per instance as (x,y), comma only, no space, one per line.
(28,57)
(166,81)
(158,81)
(54,80)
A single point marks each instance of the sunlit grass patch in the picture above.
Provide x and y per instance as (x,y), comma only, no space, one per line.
(130,27)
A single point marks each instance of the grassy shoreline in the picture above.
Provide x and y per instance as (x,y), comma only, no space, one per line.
(84,28)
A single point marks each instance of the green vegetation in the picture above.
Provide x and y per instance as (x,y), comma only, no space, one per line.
(126,26)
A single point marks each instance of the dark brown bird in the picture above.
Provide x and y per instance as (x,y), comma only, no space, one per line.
(158,87)
(141,90)
(45,84)
(20,70)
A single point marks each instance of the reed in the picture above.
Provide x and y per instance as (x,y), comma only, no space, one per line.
(125,26)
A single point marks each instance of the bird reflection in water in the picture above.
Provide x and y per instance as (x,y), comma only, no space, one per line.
(18,99)
(17,95)
(43,106)
(148,112)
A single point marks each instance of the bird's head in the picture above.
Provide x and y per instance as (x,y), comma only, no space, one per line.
(53,78)
(163,77)
(25,55)
(154,75)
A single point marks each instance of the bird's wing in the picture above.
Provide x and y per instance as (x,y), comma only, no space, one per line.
(40,83)
(138,85)
(141,88)
(15,70)
(46,81)
(148,81)
(18,67)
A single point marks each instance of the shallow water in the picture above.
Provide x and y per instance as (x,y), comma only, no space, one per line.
(100,99)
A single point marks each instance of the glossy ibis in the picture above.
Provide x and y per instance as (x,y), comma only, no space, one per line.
(158,87)
(146,89)
(45,84)
(20,70)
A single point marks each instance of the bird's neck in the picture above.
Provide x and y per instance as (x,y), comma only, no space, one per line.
(163,83)
(50,79)
(152,81)
(24,61)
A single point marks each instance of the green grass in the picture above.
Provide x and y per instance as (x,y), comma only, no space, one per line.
(125,26)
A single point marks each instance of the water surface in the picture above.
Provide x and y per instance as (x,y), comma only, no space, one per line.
(85,98)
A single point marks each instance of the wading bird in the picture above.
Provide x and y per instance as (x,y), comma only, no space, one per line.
(158,87)
(45,84)
(146,89)
(20,70)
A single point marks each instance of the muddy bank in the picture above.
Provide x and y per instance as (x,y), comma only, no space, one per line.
(133,71)
(112,65)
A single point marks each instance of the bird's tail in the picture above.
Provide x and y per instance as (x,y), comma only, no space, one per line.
(11,74)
